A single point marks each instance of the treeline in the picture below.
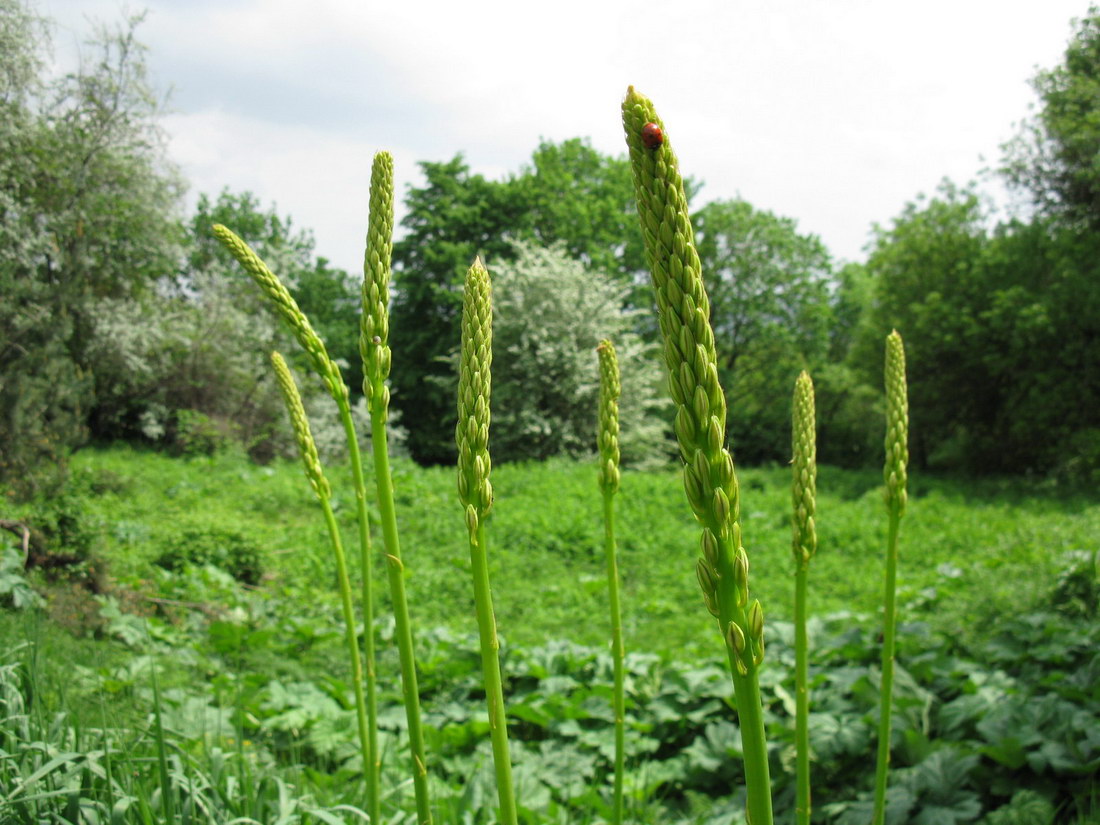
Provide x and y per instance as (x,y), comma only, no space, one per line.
(122,319)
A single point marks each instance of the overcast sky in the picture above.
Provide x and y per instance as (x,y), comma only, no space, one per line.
(832,112)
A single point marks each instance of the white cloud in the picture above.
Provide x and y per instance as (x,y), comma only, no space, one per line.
(832,113)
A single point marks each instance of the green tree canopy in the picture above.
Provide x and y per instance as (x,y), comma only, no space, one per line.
(329,296)
(584,199)
(570,194)
(1002,334)
(769,293)
(1055,156)
(453,217)
(88,211)
(190,368)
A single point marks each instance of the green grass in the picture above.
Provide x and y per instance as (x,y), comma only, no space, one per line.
(970,551)
(254,684)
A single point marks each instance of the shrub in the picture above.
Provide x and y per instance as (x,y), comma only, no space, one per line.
(226,548)
(549,313)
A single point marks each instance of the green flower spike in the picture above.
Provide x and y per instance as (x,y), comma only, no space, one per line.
(287,307)
(804,465)
(308,451)
(709,478)
(608,441)
(374,327)
(374,333)
(803,545)
(894,474)
(608,436)
(307,448)
(476,493)
(897,424)
(474,388)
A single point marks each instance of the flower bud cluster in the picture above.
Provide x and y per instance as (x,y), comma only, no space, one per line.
(897,424)
(474,385)
(288,308)
(692,364)
(608,436)
(374,324)
(307,448)
(804,470)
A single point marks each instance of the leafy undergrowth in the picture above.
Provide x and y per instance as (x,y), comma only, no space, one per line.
(973,729)
(217,584)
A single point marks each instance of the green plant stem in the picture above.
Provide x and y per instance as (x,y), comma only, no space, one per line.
(746,687)
(166,795)
(802,699)
(371,760)
(618,653)
(490,666)
(887,690)
(402,625)
(344,584)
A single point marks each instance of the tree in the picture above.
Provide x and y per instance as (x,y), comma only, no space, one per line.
(454,217)
(1001,331)
(1054,156)
(584,199)
(929,286)
(87,212)
(770,309)
(545,374)
(569,193)
(330,297)
(192,364)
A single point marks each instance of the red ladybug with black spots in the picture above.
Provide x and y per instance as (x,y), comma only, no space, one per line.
(652,136)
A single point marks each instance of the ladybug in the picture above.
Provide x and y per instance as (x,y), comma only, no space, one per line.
(652,136)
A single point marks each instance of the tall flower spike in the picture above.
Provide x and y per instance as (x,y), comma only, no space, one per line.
(474,385)
(709,478)
(374,326)
(608,437)
(684,315)
(287,307)
(897,424)
(804,469)
(307,448)
(476,494)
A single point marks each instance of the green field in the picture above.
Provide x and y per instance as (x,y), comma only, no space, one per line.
(989,615)
(971,551)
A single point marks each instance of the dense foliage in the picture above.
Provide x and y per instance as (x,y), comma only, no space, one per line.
(996,696)
(1012,315)
(154,335)
(770,308)
(1054,157)
(87,214)
(545,374)
(570,194)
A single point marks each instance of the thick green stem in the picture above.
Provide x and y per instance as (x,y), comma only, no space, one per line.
(344,584)
(802,700)
(886,698)
(490,666)
(371,759)
(618,653)
(746,689)
(402,624)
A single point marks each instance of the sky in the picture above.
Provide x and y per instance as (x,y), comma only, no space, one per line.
(835,113)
